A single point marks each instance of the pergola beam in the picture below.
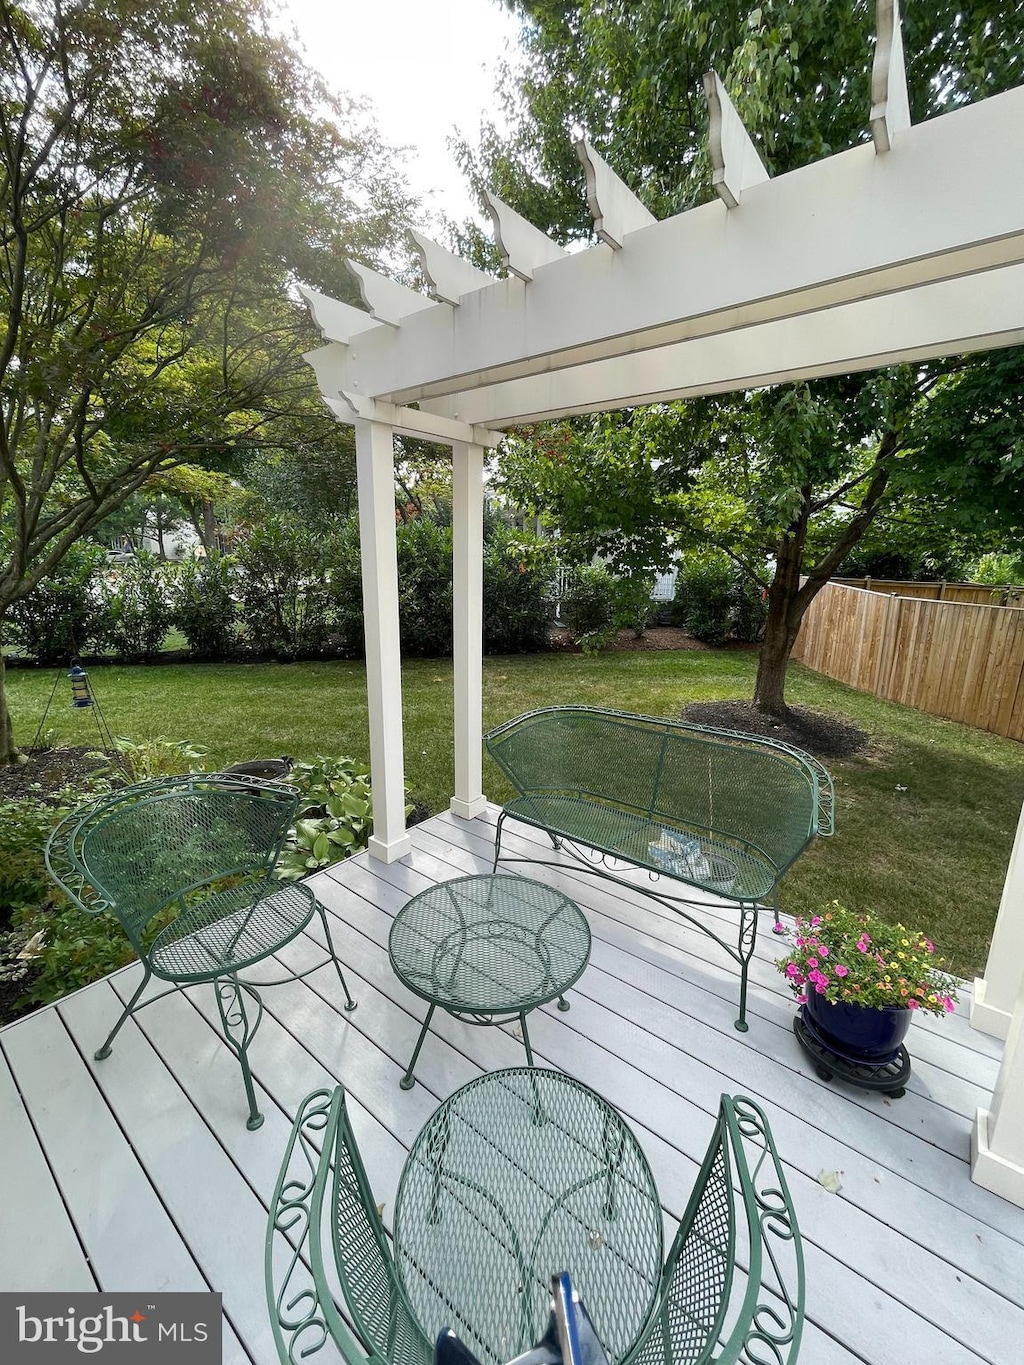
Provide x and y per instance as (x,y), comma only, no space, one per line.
(976,313)
(853,226)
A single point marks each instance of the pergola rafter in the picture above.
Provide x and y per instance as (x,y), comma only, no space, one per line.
(907,247)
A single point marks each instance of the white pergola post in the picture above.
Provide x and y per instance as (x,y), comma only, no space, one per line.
(997,1141)
(467,603)
(375,460)
(995,993)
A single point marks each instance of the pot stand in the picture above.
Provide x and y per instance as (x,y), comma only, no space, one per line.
(890,1077)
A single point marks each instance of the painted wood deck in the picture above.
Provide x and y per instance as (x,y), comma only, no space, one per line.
(138,1173)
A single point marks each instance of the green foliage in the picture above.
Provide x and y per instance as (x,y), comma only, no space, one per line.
(285,594)
(64,614)
(632,607)
(334,818)
(137,601)
(517,575)
(25,825)
(425,587)
(588,606)
(204,605)
(155,758)
(748,608)
(999,568)
(703,603)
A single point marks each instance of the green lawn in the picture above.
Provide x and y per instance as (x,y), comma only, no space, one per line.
(934,854)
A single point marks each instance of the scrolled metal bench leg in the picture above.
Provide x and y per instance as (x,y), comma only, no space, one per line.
(350,1004)
(778,927)
(747,939)
(104,1052)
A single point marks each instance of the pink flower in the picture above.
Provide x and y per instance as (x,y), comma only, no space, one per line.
(862,946)
(912,1004)
(812,962)
(816,920)
(823,949)
(792,969)
(821,988)
(947,1004)
(929,945)
(841,970)
(801,1000)
(801,942)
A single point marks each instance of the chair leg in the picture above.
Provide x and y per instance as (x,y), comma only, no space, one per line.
(231,993)
(497,842)
(526,1039)
(104,1051)
(350,1004)
(778,927)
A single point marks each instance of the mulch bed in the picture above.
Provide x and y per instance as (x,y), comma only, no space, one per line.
(821,734)
(655,637)
(49,769)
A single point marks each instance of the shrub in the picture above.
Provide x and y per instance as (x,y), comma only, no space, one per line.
(997,568)
(64,614)
(345,581)
(137,597)
(588,606)
(633,608)
(749,608)
(204,607)
(703,601)
(517,610)
(425,587)
(285,594)
(155,758)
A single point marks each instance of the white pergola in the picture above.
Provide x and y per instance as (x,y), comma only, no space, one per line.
(908,247)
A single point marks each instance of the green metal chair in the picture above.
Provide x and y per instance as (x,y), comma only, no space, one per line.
(186,864)
(731,1289)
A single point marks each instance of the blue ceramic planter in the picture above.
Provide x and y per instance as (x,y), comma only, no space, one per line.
(859,1034)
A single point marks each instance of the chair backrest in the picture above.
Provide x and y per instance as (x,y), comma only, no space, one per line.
(733,1285)
(146,845)
(323,1196)
(768,793)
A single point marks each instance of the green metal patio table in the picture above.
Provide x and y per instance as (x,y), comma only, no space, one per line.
(519,1173)
(487,950)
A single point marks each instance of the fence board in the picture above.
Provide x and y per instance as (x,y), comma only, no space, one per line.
(947,655)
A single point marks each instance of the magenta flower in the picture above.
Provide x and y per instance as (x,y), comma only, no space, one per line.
(841,970)
(812,962)
(947,1004)
(823,949)
(820,988)
(912,1004)
(801,1000)
(792,969)
(862,946)
(801,942)
(815,921)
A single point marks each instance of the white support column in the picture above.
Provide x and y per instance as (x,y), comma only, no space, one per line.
(375,468)
(995,994)
(997,1140)
(467,606)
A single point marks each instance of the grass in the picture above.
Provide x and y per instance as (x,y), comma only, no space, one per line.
(925,816)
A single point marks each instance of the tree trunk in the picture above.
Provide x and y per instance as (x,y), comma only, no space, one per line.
(8,750)
(781,629)
(210,540)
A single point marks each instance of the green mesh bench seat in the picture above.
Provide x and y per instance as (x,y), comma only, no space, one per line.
(185,864)
(518,1174)
(723,812)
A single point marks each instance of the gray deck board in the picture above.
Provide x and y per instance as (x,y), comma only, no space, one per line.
(139,1173)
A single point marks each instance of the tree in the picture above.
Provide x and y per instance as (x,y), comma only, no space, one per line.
(799,471)
(166,173)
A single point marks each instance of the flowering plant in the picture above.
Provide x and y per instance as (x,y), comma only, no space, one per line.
(860,960)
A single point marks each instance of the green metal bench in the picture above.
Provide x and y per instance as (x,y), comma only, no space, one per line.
(718,810)
(731,1288)
(186,866)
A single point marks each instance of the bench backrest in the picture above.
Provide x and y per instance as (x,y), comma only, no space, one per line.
(770,794)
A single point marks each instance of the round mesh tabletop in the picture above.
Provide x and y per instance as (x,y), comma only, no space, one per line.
(518,1175)
(489,944)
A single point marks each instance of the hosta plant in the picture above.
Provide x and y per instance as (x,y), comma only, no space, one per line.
(334,818)
(857,959)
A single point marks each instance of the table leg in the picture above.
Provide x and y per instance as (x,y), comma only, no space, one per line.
(563,1004)
(407,1082)
(526,1039)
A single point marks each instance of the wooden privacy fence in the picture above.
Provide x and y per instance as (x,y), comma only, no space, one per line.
(957,659)
(1004,595)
